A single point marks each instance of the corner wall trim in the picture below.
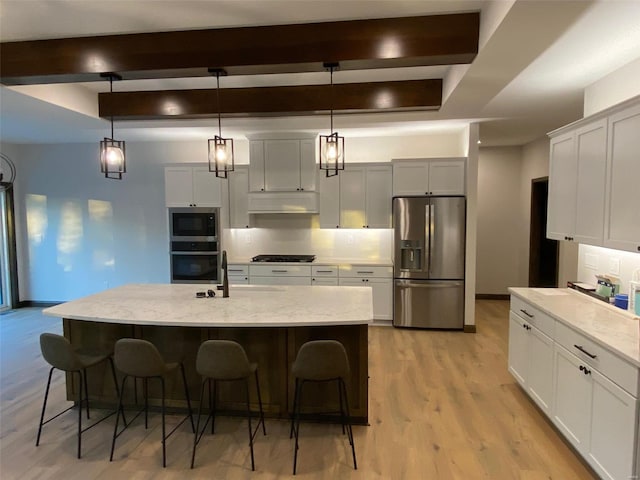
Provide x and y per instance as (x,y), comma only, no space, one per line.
(469,329)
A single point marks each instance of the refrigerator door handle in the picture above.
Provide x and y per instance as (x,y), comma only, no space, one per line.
(427,238)
(431,228)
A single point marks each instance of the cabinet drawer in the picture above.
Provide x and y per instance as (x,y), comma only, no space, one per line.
(532,315)
(280,280)
(235,269)
(324,271)
(368,271)
(238,280)
(325,281)
(611,366)
(280,270)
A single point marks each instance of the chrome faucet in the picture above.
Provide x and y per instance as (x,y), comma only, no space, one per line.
(225,276)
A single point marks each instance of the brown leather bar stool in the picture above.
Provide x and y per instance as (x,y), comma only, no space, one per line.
(321,361)
(141,359)
(225,360)
(60,354)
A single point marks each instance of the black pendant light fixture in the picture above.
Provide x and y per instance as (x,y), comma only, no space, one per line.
(112,152)
(331,146)
(220,149)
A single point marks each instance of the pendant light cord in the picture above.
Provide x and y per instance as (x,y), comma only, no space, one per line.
(218,101)
(331,103)
(111,91)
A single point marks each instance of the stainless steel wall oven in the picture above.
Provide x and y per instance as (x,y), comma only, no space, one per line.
(195,248)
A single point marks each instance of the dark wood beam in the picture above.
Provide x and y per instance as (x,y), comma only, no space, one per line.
(356,44)
(273,101)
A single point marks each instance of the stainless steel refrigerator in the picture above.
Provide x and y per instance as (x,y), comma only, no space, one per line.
(428,266)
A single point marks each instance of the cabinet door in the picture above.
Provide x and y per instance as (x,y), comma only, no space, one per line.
(591,150)
(613,429)
(331,282)
(572,399)
(256,166)
(281,165)
(308,167)
(410,178)
(206,188)
(352,197)
(540,369)
(238,198)
(238,280)
(518,348)
(446,177)
(378,197)
(382,298)
(563,169)
(178,186)
(622,229)
(329,201)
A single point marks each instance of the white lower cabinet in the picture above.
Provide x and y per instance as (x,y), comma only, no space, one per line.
(531,360)
(382,292)
(598,417)
(238,274)
(589,393)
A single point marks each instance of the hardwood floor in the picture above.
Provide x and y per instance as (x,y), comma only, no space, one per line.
(442,406)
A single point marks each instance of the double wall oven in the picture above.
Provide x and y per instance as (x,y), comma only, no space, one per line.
(195,246)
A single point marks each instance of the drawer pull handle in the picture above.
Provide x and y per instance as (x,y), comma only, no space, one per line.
(235,270)
(581,348)
(526,313)
(279,271)
(370,273)
(324,271)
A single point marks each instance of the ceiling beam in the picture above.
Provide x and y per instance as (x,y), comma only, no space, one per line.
(273,101)
(355,44)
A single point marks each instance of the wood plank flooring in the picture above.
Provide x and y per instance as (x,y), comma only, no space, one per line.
(442,406)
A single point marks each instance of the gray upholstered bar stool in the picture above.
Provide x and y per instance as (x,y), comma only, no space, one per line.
(61,355)
(225,360)
(321,361)
(141,359)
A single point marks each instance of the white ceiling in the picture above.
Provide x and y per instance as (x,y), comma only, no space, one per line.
(535,59)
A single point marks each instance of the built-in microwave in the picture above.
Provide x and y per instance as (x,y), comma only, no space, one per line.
(193,224)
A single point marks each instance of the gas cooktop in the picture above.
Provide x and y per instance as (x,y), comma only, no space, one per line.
(283,258)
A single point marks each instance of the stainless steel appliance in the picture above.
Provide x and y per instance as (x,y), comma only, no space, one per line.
(429,249)
(193,224)
(195,249)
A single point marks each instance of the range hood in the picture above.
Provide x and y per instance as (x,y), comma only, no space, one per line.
(283,202)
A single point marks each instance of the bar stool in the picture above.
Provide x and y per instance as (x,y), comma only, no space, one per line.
(321,361)
(60,354)
(141,359)
(225,360)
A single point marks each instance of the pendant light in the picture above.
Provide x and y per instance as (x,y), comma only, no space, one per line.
(112,152)
(331,146)
(220,149)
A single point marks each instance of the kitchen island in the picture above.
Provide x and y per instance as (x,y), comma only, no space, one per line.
(270,322)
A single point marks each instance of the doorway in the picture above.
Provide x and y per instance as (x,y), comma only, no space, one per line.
(543,252)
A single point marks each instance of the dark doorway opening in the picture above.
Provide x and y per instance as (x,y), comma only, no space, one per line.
(543,252)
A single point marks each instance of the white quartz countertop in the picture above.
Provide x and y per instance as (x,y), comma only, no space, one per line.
(613,328)
(246,306)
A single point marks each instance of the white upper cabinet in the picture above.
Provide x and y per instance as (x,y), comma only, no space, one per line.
(282,165)
(593,180)
(187,186)
(429,177)
(622,229)
(365,196)
(577,168)
(238,198)
(329,201)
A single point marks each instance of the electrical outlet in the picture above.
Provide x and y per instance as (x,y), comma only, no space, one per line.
(614,266)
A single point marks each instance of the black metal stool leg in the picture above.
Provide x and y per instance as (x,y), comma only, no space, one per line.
(145,387)
(341,405)
(44,406)
(296,429)
(293,408)
(79,412)
(195,436)
(213,411)
(349,428)
(86,390)
(186,394)
(164,438)
(253,466)
(264,428)
(115,382)
(115,429)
